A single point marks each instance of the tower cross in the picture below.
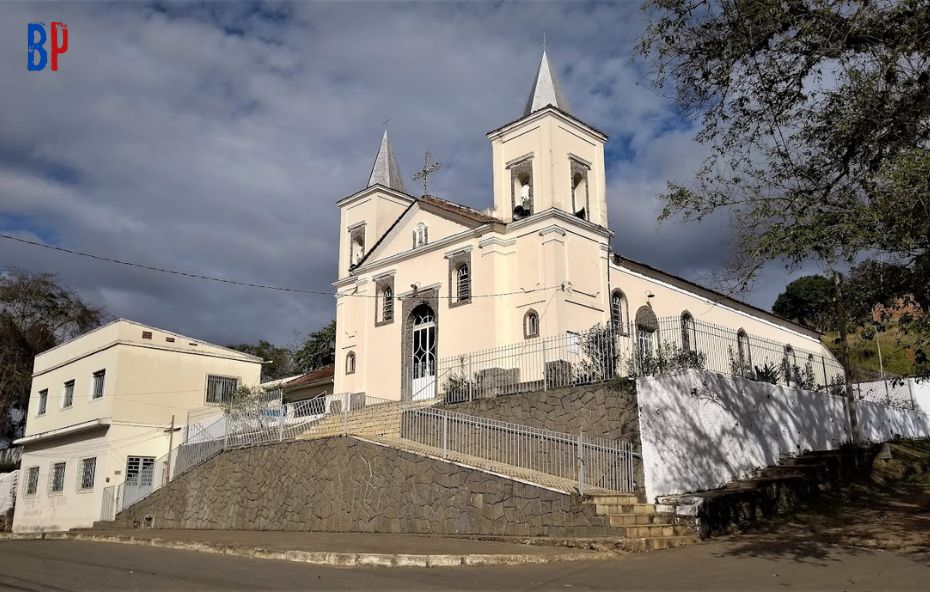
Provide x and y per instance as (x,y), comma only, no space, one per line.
(428,169)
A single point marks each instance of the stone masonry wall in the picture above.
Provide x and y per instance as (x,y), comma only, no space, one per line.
(348,485)
(608,410)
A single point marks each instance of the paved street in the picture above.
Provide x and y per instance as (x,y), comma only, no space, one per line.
(749,563)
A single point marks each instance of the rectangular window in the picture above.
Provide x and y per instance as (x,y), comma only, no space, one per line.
(140,471)
(67,399)
(86,475)
(99,375)
(221,388)
(56,482)
(43,402)
(32,480)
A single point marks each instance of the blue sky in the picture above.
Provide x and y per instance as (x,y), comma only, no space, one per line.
(216,138)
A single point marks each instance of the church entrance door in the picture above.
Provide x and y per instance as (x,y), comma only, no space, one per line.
(423,383)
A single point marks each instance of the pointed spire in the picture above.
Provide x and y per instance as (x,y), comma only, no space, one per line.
(385,170)
(546,90)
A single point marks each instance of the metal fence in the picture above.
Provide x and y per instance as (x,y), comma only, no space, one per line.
(604,353)
(594,462)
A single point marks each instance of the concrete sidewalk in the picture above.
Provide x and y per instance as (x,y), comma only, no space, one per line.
(336,549)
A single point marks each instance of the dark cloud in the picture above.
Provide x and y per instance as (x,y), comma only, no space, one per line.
(216,139)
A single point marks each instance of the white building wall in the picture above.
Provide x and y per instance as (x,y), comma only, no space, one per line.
(700,430)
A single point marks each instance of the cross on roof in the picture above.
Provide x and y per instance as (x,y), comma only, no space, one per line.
(428,169)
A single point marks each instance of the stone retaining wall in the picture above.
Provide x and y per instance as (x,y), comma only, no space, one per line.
(608,410)
(348,485)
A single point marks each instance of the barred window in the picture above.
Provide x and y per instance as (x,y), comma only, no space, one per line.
(387,310)
(463,283)
(688,332)
(99,375)
(43,402)
(140,471)
(220,389)
(350,363)
(67,399)
(32,481)
(56,483)
(86,474)
(618,316)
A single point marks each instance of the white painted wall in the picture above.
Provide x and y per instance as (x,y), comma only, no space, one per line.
(700,429)
(8,490)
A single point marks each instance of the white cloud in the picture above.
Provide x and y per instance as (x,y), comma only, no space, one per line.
(216,139)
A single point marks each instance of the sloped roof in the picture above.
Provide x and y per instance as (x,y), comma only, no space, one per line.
(314,377)
(458,209)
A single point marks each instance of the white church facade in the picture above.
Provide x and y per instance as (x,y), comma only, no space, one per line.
(423,278)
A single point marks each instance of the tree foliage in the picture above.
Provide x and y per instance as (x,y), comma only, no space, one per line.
(279,360)
(36,314)
(318,350)
(808,301)
(817,116)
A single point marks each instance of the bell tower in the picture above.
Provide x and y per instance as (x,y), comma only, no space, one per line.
(548,159)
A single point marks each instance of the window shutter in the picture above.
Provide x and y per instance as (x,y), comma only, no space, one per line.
(414,239)
(426,235)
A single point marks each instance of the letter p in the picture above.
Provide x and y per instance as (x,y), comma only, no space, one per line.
(58,48)
(36,56)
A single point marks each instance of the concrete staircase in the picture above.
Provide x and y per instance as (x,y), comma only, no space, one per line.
(644,527)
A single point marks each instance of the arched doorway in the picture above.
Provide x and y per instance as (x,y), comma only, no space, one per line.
(423,353)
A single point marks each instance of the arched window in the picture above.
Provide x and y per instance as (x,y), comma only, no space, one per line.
(618,314)
(387,304)
(790,365)
(530,324)
(420,235)
(646,327)
(350,363)
(462,283)
(688,332)
(744,353)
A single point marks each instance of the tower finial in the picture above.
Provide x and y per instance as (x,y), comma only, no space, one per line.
(385,170)
(546,88)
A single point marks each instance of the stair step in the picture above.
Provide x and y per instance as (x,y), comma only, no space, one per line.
(620,499)
(655,530)
(657,543)
(608,509)
(617,520)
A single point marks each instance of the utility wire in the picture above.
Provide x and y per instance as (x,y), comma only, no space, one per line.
(198,276)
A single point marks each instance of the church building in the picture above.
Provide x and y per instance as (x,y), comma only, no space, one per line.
(422,278)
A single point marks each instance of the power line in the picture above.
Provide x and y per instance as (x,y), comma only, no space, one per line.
(198,276)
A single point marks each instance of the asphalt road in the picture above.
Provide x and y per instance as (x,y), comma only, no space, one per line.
(743,564)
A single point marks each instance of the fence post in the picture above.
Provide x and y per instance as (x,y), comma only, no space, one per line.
(445,435)
(826,381)
(910,391)
(227,417)
(580,454)
(471,380)
(345,414)
(542,343)
(281,415)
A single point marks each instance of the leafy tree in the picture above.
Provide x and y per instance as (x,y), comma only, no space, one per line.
(807,300)
(36,314)
(279,360)
(817,119)
(318,350)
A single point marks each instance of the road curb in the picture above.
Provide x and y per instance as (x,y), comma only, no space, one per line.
(334,559)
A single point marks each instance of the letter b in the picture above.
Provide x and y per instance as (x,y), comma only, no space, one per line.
(37,57)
